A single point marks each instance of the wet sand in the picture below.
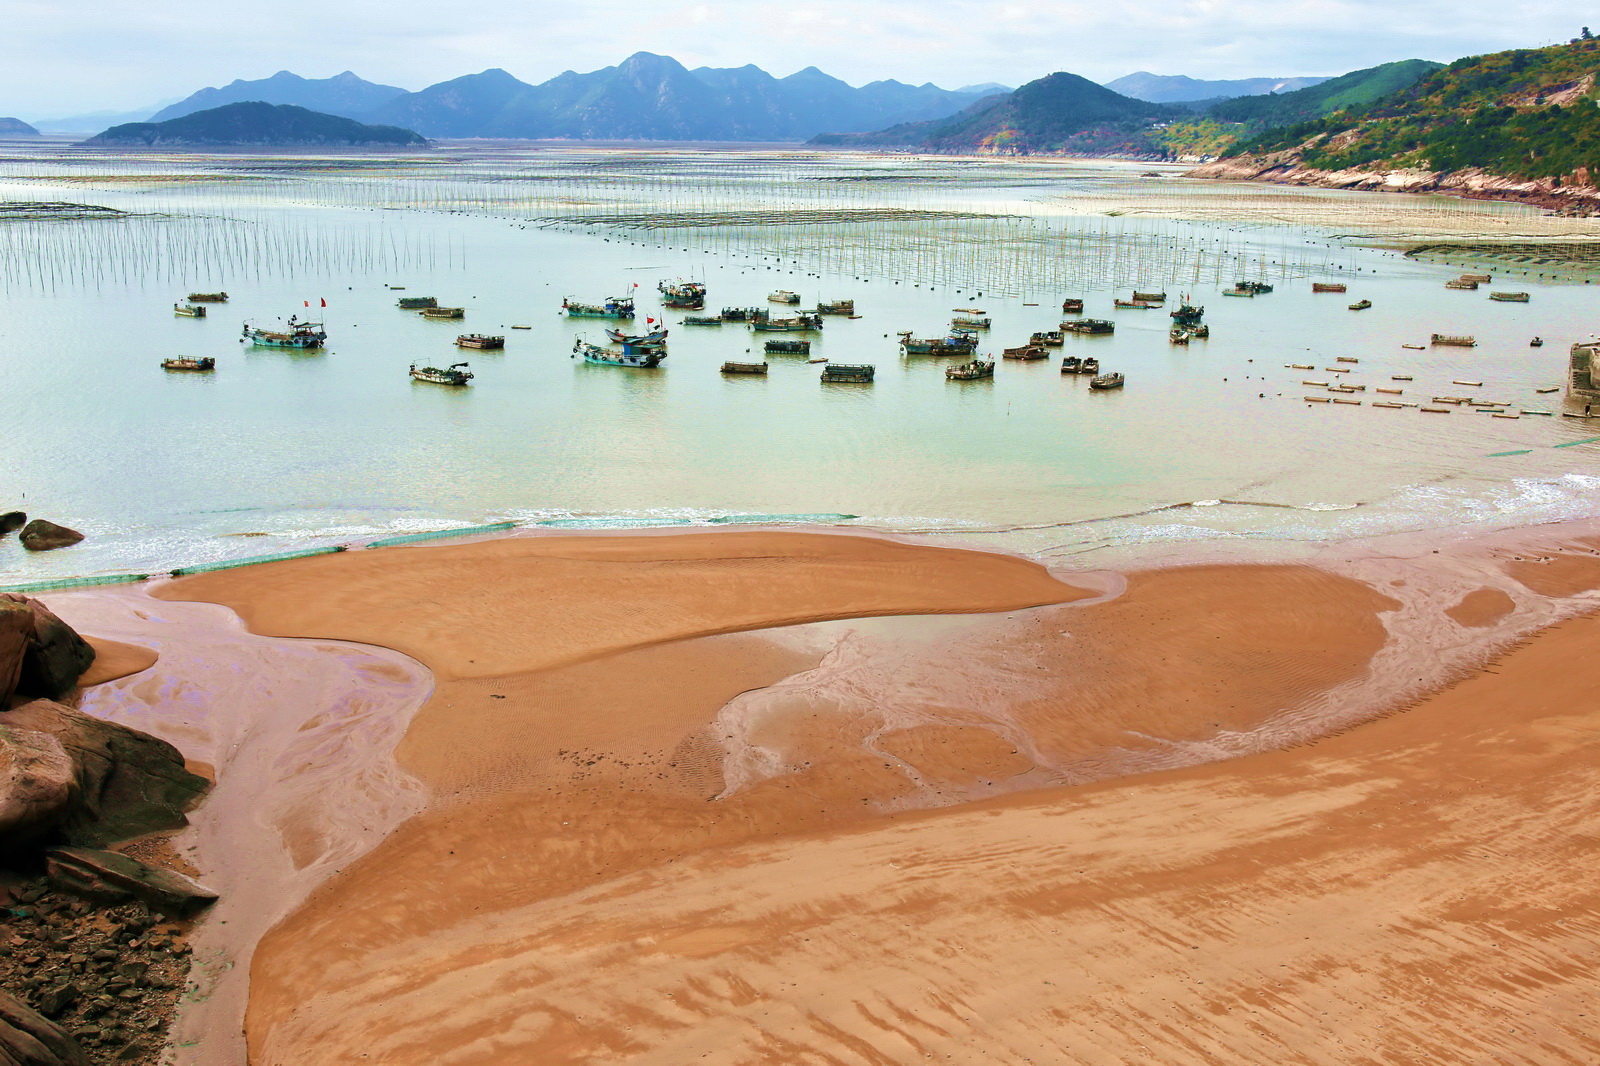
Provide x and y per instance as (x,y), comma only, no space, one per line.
(673,810)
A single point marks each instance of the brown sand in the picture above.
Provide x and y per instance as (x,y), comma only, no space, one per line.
(1481,608)
(113,660)
(570,811)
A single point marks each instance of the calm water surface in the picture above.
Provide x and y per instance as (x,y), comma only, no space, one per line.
(1212,442)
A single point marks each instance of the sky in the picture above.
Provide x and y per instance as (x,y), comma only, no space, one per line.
(117,55)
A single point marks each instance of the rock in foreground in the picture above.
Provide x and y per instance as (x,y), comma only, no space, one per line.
(54,657)
(42,536)
(28,1038)
(12,521)
(114,877)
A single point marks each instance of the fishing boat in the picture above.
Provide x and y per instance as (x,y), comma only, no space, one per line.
(454,374)
(741,314)
(1072,306)
(682,294)
(1413,347)
(1026,353)
(1112,380)
(1141,305)
(1238,292)
(1150,297)
(1329,286)
(1090,325)
(1178,335)
(1091,365)
(1454,340)
(1461,283)
(1485,278)
(857,373)
(1361,305)
(1071,364)
(185,363)
(978,368)
(744,368)
(789,347)
(1537,342)
(416,303)
(1250,288)
(614,307)
(783,296)
(702,320)
(299,335)
(1510,297)
(188,311)
(957,343)
(801,323)
(1050,338)
(969,322)
(1188,314)
(656,338)
(1200,331)
(641,357)
(208,297)
(837,307)
(444,312)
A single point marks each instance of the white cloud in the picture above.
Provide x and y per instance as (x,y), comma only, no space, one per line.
(117,54)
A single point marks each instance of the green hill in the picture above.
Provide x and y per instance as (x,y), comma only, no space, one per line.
(1528,113)
(1358,88)
(1061,113)
(255,124)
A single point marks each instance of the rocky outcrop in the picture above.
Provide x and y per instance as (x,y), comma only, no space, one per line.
(11,521)
(123,783)
(1286,168)
(114,877)
(55,656)
(16,634)
(28,1038)
(42,536)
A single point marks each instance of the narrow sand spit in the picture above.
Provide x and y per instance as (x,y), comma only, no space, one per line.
(656,829)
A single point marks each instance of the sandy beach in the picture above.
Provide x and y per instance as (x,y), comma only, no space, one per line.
(774,797)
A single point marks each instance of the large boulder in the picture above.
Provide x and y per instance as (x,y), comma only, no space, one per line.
(16,634)
(38,785)
(42,536)
(56,656)
(28,1038)
(124,783)
(11,521)
(114,877)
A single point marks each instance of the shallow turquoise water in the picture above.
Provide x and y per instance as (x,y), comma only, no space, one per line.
(278,451)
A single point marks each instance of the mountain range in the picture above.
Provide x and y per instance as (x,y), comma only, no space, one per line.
(1177,89)
(256,124)
(343,94)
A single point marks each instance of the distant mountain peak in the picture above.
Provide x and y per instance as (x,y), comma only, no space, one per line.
(345,95)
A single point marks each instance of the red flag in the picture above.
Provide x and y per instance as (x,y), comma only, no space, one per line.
(324,301)
(308,303)
(649,321)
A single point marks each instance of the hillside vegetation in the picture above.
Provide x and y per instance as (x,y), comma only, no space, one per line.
(257,125)
(1527,113)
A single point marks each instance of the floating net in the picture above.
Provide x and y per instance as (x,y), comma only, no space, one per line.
(232,564)
(440,534)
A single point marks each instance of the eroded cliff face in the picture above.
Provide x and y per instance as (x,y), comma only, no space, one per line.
(1576,194)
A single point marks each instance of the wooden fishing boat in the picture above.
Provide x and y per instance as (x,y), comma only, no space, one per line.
(208,297)
(478,340)
(1139,305)
(1238,292)
(783,296)
(836,307)
(978,368)
(744,368)
(1552,388)
(1188,314)
(789,347)
(444,312)
(188,311)
(1537,342)
(857,373)
(1413,347)
(455,374)
(1346,359)
(801,323)
(1484,278)
(955,344)
(1050,338)
(1090,326)
(299,335)
(969,322)
(1178,335)
(1026,353)
(416,303)
(1150,297)
(702,320)
(687,295)
(614,307)
(1112,380)
(1454,340)
(656,338)
(1329,286)
(1091,365)
(1461,283)
(640,357)
(1200,331)
(1511,297)
(1071,365)
(185,363)
(683,303)
(742,314)
(1361,305)
(1249,288)
(1072,306)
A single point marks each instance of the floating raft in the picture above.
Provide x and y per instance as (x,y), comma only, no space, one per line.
(744,368)
(849,372)
(1452,340)
(1346,359)
(1321,286)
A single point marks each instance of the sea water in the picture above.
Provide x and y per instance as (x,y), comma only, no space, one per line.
(1210,442)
